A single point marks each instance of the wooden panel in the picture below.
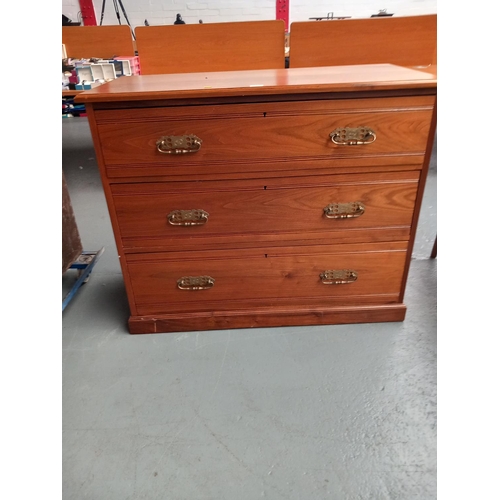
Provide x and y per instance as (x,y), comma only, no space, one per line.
(257,109)
(211,47)
(268,210)
(139,158)
(405,41)
(250,134)
(258,168)
(97,41)
(259,276)
(262,317)
(70,93)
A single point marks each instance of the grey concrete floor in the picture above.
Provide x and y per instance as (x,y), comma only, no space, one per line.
(343,412)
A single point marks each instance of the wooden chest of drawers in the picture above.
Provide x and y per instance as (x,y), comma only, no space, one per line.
(264,198)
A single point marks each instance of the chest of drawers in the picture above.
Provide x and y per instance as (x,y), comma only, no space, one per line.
(264,198)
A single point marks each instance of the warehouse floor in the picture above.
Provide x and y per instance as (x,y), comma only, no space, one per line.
(342,412)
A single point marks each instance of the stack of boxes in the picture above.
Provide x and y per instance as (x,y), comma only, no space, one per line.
(89,73)
(130,65)
(85,74)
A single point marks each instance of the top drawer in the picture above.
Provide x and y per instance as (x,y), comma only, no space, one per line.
(265,132)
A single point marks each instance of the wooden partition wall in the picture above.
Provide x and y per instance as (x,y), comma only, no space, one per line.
(251,45)
(106,42)
(211,47)
(404,41)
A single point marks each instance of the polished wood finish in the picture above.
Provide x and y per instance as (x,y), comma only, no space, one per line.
(238,84)
(271,211)
(273,316)
(106,42)
(265,172)
(211,47)
(404,41)
(278,131)
(258,277)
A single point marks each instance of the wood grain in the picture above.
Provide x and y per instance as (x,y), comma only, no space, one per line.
(106,42)
(266,317)
(274,82)
(246,213)
(125,173)
(264,274)
(404,41)
(211,47)
(267,159)
(282,133)
(271,109)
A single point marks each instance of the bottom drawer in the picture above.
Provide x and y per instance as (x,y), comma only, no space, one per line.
(354,274)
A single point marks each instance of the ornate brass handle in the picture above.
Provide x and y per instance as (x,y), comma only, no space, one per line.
(338,277)
(353,136)
(195,283)
(178,144)
(344,210)
(195,217)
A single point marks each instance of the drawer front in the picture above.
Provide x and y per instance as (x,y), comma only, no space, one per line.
(263,132)
(164,283)
(194,215)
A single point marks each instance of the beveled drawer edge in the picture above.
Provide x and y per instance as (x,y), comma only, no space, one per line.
(126,175)
(269,160)
(103,119)
(253,99)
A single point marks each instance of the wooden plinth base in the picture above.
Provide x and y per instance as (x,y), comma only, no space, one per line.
(222,320)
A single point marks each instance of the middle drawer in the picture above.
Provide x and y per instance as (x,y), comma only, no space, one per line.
(211,214)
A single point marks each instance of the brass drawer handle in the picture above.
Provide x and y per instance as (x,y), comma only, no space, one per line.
(178,144)
(195,283)
(338,277)
(353,136)
(195,217)
(344,210)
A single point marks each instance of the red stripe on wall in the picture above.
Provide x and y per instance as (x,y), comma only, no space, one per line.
(88,12)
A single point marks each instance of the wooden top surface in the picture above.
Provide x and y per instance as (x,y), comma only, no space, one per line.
(261,82)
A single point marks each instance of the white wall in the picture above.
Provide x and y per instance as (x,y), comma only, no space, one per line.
(212,11)
(302,10)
